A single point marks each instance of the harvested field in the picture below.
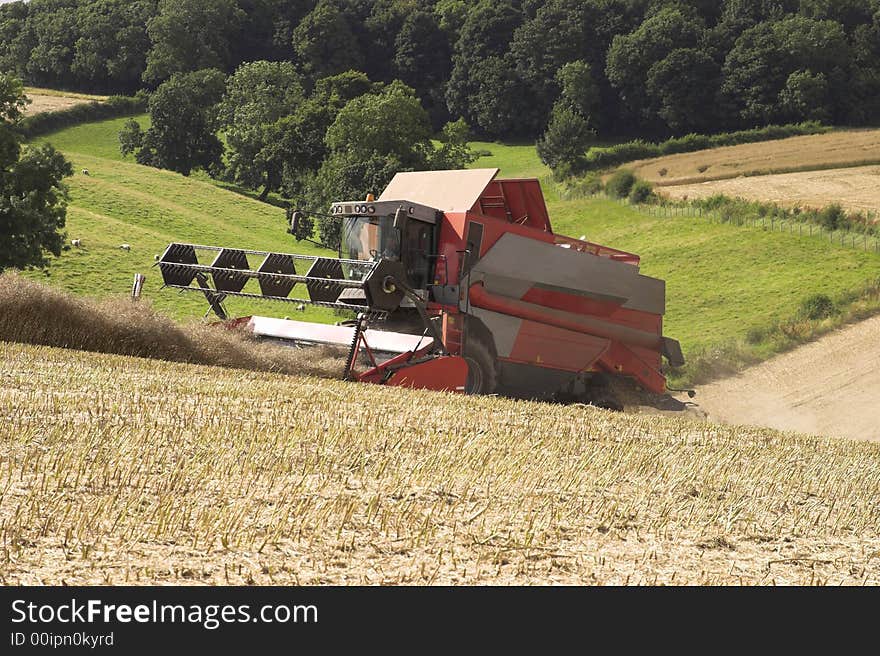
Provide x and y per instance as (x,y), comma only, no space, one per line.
(49,100)
(838,149)
(40,104)
(127,470)
(855,188)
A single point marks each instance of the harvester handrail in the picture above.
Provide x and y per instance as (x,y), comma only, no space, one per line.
(599,250)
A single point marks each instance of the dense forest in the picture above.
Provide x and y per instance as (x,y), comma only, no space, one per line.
(627,67)
(322,99)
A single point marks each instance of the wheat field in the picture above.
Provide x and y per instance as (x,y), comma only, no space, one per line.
(117,469)
(832,150)
(856,188)
(49,100)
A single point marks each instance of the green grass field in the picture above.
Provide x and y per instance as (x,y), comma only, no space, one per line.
(123,202)
(721,280)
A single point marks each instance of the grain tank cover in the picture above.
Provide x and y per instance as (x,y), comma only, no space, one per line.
(447,191)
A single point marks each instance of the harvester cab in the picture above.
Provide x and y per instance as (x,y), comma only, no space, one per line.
(458,283)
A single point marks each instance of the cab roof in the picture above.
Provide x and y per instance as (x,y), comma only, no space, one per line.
(447,191)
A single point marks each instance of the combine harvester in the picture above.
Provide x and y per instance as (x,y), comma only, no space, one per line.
(458,284)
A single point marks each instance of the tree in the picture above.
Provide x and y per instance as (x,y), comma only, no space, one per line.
(451,15)
(33,197)
(564,31)
(183,131)
(300,136)
(564,143)
(55,32)
(453,152)
(681,90)
(482,86)
(286,15)
(579,90)
(325,43)
(373,137)
(257,96)
(381,28)
(111,52)
(190,35)
(499,102)
(17,38)
(337,90)
(759,66)
(805,96)
(863,92)
(849,13)
(631,56)
(390,123)
(422,60)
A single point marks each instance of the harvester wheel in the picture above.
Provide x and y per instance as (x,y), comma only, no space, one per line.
(602,394)
(482,371)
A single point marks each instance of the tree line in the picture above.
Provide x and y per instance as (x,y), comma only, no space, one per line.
(510,68)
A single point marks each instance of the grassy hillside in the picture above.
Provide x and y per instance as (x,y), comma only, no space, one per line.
(123,202)
(721,280)
(122,470)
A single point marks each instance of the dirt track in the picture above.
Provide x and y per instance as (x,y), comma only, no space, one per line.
(828,387)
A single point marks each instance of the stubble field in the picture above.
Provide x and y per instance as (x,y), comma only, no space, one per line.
(856,188)
(117,469)
(50,100)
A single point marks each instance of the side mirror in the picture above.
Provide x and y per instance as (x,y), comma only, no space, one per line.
(294,218)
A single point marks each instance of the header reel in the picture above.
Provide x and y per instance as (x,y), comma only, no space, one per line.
(218,273)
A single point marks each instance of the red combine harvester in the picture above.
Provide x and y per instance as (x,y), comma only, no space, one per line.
(458,284)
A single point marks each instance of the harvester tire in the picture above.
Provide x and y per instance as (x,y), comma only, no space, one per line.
(602,394)
(482,369)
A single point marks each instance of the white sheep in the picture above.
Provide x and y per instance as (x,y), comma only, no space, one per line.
(125,247)
(85,172)
(76,243)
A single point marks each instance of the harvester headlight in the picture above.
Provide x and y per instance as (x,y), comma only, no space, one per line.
(371,209)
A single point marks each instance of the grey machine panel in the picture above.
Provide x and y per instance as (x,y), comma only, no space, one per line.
(504,329)
(513,259)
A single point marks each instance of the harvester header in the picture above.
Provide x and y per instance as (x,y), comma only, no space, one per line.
(460,279)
